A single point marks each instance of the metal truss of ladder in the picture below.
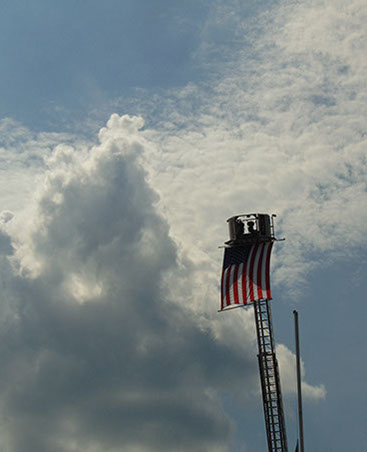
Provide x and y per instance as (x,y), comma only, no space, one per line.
(270,382)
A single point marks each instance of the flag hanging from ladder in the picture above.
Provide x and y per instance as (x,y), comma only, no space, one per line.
(245,274)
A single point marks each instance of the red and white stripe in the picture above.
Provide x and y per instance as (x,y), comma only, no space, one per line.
(248,281)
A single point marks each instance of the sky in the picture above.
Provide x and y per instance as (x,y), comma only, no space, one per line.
(129,132)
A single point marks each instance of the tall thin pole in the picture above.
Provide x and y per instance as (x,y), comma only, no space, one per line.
(299,390)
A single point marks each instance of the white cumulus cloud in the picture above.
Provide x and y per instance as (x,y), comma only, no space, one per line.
(94,347)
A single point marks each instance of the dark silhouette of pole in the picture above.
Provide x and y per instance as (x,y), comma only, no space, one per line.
(299,390)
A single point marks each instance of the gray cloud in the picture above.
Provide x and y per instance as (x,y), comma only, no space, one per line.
(95,355)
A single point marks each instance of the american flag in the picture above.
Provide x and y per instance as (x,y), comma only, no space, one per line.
(246,274)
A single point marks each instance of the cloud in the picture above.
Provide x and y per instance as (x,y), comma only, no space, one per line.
(287,361)
(22,159)
(6,216)
(281,129)
(96,353)
(110,337)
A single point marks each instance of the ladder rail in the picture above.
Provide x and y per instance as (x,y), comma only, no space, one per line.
(270,381)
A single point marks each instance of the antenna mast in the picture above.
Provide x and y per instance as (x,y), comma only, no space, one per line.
(299,386)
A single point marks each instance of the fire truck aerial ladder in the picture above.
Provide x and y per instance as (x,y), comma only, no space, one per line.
(246,280)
